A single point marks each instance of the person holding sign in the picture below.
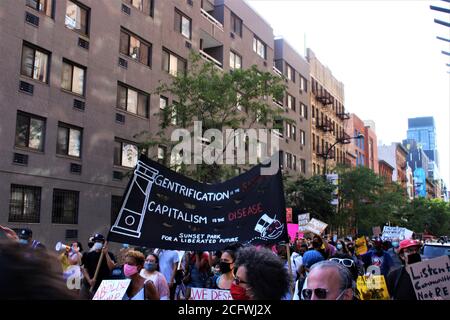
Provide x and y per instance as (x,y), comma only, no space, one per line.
(398,281)
(139,288)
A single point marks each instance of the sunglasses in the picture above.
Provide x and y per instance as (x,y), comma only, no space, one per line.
(345,262)
(319,293)
(238,281)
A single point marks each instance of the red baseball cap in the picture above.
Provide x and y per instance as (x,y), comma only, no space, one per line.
(409,243)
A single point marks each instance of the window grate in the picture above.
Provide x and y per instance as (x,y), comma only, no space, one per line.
(20,158)
(32,19)
(71,234)
(24,204)
(120,118)
(75,168)
(123,63)
(126,9)
(78,104)
(65,206)
(26,87)
(83,43)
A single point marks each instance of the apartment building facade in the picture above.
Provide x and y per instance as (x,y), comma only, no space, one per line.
(78,86)
(327,117)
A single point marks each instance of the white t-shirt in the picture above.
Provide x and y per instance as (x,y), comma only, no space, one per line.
(166,260)
(296,262)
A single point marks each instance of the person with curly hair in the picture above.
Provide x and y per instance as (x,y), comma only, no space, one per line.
(260,275)
(139,288)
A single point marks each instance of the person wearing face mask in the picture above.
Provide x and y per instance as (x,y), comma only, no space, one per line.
(151,271)
(327,250)
(393,252)
(226,266)
(398,281)
(140,288)
(89,263)
(378,257)
(341,247)
(26,239)
(259,275)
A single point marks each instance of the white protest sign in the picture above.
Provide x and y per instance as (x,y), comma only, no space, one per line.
(316,226)
(112,289)
(390,233)
(303,220)
(210,294)
(431,278)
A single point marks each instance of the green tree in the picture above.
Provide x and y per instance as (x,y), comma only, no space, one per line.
(311,195)
(220,100)
(433,212)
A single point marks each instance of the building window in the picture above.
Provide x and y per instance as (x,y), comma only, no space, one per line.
(73,77)
(304,111)
(65,206)
(289,161)
(30,131)
(302,137)
(135,47)
(173,64)
(125,154)
(303,166)
(146,6)
(235,61)
(35,62)
(183,24)
(291,102)
(236,25)
(162,151)
(116,202)
(77,17)
(259,47)
(69,140)
(24,204)
(303,84)
(132,100)
(290,73)
(291,131)
(163,102)
(314,167)
(44,6)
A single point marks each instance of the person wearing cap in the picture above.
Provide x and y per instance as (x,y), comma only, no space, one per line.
(310,257)
(398,281)
(26,238)
(378,257)
(89,263)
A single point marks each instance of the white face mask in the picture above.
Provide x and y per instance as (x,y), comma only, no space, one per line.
(97,246)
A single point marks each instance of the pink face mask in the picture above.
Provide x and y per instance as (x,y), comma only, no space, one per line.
(129,270)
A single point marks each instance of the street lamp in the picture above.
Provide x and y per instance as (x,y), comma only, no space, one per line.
(340,140)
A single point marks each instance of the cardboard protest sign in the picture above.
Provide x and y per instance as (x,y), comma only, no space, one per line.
(112,289)
(431,278)
(292,231)
(376,231)
(360,246)
(303,220)
(164,209)
(372,288)
(210,294)
(390,233)
(289,215)
(316,226)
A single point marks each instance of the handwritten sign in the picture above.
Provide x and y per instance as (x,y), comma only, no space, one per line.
(288,215)
(112,289)
(360,246)
(316,226)
(210,294)
(390,233)
(431,278)
(292,231)
(372,288)
(303,220)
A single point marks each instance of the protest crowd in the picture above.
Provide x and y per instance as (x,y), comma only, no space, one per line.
(310,267)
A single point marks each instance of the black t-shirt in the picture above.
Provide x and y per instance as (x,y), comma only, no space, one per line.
(89,262)
(400,286)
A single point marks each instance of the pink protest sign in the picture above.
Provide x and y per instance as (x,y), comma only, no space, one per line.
(292,230)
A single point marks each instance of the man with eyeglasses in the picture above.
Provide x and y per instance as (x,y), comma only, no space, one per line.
(328,280)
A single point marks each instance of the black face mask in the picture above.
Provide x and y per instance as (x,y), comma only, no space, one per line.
(224,267)
(316,245)
(413,258)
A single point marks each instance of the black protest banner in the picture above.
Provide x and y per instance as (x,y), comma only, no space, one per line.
(164,209)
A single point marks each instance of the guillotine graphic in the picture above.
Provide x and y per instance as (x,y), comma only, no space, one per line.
(131,215)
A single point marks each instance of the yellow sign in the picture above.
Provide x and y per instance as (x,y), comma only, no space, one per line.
(372,288)
(360,246)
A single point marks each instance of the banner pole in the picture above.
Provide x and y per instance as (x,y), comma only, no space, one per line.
(97,270)
(290,270)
